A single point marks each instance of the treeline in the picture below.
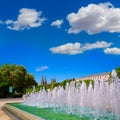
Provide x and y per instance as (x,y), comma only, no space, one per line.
(64,82)
(14,80)
(118,71)
(50,86)
(57,84)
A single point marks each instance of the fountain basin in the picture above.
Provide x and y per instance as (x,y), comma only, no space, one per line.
(35,113)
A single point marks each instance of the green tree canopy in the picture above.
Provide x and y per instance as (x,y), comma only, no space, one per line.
(118,71)
(15,76)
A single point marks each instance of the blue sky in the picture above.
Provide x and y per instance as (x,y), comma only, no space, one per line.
(60,39)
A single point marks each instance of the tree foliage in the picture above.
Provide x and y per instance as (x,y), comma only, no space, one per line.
(15,76)
(118,71)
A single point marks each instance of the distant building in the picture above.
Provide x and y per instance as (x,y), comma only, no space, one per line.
(105,75)
(53,80)
(43,81)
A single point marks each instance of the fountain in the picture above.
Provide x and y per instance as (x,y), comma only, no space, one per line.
(100,100)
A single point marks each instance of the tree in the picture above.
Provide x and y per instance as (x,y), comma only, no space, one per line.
(15,76)
(118,71)
(4,80)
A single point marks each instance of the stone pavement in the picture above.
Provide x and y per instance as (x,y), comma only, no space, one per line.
(3,114)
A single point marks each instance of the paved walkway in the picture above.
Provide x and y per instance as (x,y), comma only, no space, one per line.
(10,100)
(3,115)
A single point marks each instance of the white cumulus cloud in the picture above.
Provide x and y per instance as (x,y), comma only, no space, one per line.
(41,68)
(9,22)
(27,18)
(78,48)
(57,23)
(95,18)
(115,51)
(69,48)
(97,44)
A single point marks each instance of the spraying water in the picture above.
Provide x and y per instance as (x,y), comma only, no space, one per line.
(100,99)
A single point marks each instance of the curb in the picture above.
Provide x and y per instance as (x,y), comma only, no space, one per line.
(21,114)
(12,115)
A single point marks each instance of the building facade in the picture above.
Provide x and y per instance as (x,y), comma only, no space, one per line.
(105,75)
